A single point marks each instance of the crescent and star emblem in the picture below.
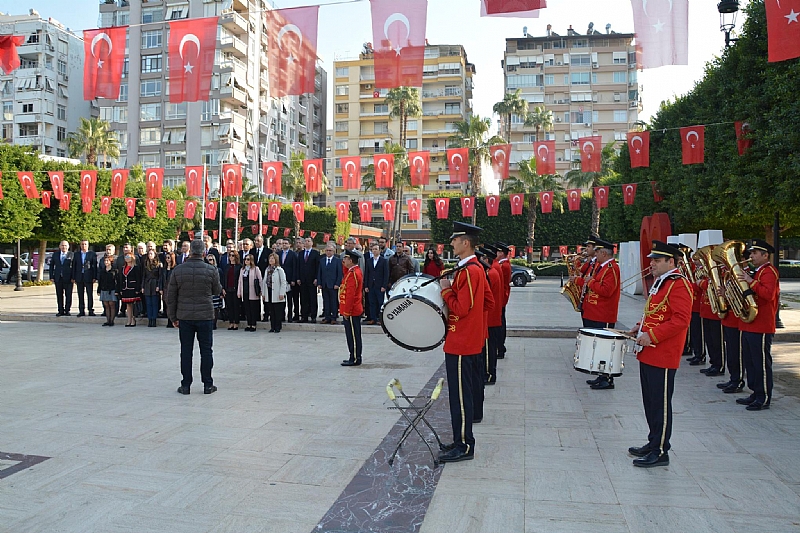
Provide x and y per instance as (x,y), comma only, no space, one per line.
(492,200)
(397,17)
(497,155)
(102,36)
(546,197)
(191,38)
(105,202)
(419,167)
(347,166)
(87,181)
(441,204)
(381,164)
(118,177)
(588,153)
(289,28)
(633,145)
(601,192)
(546,150)
(689,135)
(453,160)
(629,189)
(466,202)
(516,199)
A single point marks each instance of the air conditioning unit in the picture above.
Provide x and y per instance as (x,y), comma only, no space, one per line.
(595,65)
(368,86)
(66,78)
(558,119)
(587,124)
(617,97)
(559,63)
(559,159)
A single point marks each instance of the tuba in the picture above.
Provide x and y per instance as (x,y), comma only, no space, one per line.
(570,290)
(738,294)
(685,264)
(710,270)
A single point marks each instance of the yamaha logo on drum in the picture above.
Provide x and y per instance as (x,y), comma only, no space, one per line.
(405,304)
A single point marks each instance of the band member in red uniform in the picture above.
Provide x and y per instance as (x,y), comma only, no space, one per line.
(464,339)
(757,335)
(696,327)
(712,334)
(662,334)
(504,262)
(732,343)
(351,307)
(495,276)
(479,378)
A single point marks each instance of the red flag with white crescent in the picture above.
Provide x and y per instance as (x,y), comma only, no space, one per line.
(302,232)
(497,7)
(57,183)
(398,34)
(274,212)
(313,234)
(545,152)
(563,250)
(275,230)
(105,205)
(440,249)
(662,33)
(86,204)
(365,211)
(64,202)
(657,196)
(312,170)
(458,163)
(292,50)
(211,210)
(104,59)
(517,202)
(9,58)
(154,179)
(442,208)
(46,198)
(413,208)
(130,206)
(232,210)
(420,165)
(287,231)
(191,235)
(574,199)
(546,251)
(531,13)
(299,211)
(743,142)
(232,175)
(326,237)
(591,157)
(192,47)
(28,184)
(783,30)
(500,154)
(229,233)
(384,171)
(351,173)
(119,179)
(492,205)
(342,210)
(189,209)
(639,148)
(254,228)
(253,209)
(629,193)
(388,209)
(340,239)
(172,208)
(546,201)
(467,206)
(512,251)
(601,197)
(421,248)
(151,205)
(88,183)
(271,176)
(693,144)
(194,181)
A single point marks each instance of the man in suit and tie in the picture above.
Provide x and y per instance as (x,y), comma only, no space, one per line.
(84,272)
(261,258)
(329,278)
(288,261)
(183,255)
(61,275)
(210,250)
(229,247)
(308,266)
(376,283)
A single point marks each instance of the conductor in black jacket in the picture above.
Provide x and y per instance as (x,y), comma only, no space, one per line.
(376,282)
(330,278)
(288,262)
(307,267)
(84,272)
(61,275)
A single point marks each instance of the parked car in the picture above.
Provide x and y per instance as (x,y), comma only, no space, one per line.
(521,276)
(789,262)
(5,265)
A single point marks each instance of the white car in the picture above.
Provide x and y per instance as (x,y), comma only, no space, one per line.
(5,269)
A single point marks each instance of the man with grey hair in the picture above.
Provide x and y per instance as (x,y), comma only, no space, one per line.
(414,260)
(190,308)
(350,246)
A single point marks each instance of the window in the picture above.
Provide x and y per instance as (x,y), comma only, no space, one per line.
(620,136)
(150,112)
(8,110)
(151,39)
(209,157)
(62,112)
(580,78)
(123,18)
(174,136)
(632,77)
(208,135)
(581,117)
(149,136)
(150,88)
(367,73)
(342,108)
(452,109)
(381,127)
(175,111)
(60,152)
(106,19)
(411,125)
(580,97)
(549,79)
(150,160)
(342,72)
(28,130)
(209,109)
(123,92)
(151,64)
(126,67)
(177,11)
(580,43)
(152,14)
(341,145)
(62,67)
(620,76)
(8,132)
(27,108)
(430,70)
(528,80)
(450,68)
(580,60)
(381,108)
(61,134)
(620,58)
(342,90)
(411,144)
(122,138)
(620,116)
(341,125)
(174,159)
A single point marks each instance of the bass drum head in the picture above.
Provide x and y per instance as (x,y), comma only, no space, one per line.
(404,284)
(413,323)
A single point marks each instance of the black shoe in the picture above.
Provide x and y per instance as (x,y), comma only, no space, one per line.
(639,452)
(501,356)
(209,390)
(746,401)
(593,381)
(106,324)
(448,447)
(111,324)
(91,313)
(183,390)
(59,314)
(67,313)
(603,385)
(757,406)
(652,459)
(697,362)
(713,371)
(733,388)
(80,314)
(455,455)
(492,381)
(351,363)
(477,420)
(313,320)
(169,325)
(725,384)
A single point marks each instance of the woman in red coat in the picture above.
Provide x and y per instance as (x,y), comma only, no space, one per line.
(433,264)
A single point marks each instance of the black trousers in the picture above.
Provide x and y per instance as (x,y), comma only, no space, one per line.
(460,373)
(477,384)
(87,288)
(491,355)
(252,310)
(352,332)
(187,331)
(712,334)
(696,336)
(275,314)
(293,303)
(658,385)
(501,346)
(64,295)
(757,357)
(308,300)
(232,305)
(733,353)
(330,303)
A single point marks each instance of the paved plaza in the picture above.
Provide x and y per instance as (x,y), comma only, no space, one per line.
(94,438)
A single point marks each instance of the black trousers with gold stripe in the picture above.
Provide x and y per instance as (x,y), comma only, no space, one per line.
(658,385)
(491,359)
(757,357)
(461,372)
(733,353)
(696,336)
(712,334)
(352,331)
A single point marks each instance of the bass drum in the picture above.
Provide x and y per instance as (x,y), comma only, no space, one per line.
(415,317)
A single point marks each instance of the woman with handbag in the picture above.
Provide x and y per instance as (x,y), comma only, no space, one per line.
(129,287)
(274,292)
(250,291)
(107,288)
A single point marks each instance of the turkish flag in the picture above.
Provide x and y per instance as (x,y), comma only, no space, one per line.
(500,154)
(154,181)
(351,173)
(533,13)
(313,234)
(232,210)
(274,212)
(545,152)
(192,46)
(271,177)
(64,202)
(191,235)
(693,144)
(287,231)
(292,50)
(151,205)
(458,162)
(299,211)
(194,181)
(629,193)
(442,208)
(657,196)
(28,184)
(383,165)
(545,251)
(312,170)
(119,179)
(574,199)
(420,166)
(232,178)
(105,205)
(546,201)
(601,197)
(130,206)
(46,198)
(104,58)
(254,229)
(172,207)
(563,250)
(467,206)
(253,209)
(327,236)
(340,239)
(86,204)
(342,210)
(388,209)
(413,208)
(9,58)
(398,33)
(639,148)
(189,209)
(497,7)
(591,153)
(365,211)
(517,201)
(302,232)
(662,32)
(743,143)
(421,248)
(88,183)
(211,210)
(783,29)
(492,205)
(440,249)
(57,183)
(275,230)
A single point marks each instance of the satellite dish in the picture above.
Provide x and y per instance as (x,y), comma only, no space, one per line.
(525,31)
(608,28)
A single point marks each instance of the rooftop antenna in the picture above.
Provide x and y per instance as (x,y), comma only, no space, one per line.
(525,31)
(608,28)
(591,28)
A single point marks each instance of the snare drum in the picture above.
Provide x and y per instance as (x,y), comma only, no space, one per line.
(599,351)
(415,317)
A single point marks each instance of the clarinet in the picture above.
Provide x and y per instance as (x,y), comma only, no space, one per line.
(585,286)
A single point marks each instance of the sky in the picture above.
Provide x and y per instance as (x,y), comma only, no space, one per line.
(344,27)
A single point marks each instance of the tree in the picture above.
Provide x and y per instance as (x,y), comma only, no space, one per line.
(401,181)
(19,216)
(293,182)
(511,104)
(404,102)
(92,138)
(584,180)
(540,119)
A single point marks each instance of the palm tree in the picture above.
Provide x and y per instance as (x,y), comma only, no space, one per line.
(401,181)
(404,102)
(529,182)
(586,180)
(512,104)
(293,182)
(540,119)
(92,138)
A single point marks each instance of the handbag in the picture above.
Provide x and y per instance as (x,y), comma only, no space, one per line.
(257,286)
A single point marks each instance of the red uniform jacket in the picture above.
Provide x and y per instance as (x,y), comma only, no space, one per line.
(666,320)
(496,286)
(505,267)
(705,305)
(350,301)
(601,302)
(488,302)
(766,287)
(465,300)
(731,320)
(698,297)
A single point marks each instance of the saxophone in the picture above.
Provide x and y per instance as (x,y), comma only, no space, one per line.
(738,293)
(571,291)
(710,270)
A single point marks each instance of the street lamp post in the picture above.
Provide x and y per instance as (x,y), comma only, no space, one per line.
(727,18)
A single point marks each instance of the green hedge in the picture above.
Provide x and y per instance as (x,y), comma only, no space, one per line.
(789,271)
(550,269)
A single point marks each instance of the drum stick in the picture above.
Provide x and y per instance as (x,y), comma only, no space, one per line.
(443,275)
(623,333)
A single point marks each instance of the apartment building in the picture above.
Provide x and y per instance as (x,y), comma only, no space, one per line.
(42,100)
(240,123)
(588,81)
(362,124)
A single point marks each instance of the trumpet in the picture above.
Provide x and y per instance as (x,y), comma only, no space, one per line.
(633,279)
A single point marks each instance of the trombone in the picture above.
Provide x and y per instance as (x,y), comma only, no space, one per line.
(633,279)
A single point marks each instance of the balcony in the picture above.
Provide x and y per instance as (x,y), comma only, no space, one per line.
(33,140)
(233,95)
(27,118)
(229,43)
(235,66)
(234,22)
(447,92)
